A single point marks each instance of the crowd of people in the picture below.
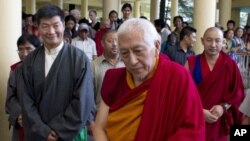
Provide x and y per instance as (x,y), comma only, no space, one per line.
(124,79)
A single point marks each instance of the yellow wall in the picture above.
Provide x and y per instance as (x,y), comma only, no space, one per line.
(235,15)
(10,30)
(240,3)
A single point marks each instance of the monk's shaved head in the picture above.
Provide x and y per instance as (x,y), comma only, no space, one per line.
(214,29)
(212,41)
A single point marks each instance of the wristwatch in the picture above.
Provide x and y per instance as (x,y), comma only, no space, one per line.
(225,106)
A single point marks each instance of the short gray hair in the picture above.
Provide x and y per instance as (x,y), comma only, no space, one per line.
(74,12)
(142,25)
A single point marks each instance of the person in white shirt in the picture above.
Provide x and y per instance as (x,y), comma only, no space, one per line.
(83,42)
(161,29)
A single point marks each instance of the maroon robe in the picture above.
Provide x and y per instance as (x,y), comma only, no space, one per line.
(221,85)
(98,40)
(172,109)
(13,67)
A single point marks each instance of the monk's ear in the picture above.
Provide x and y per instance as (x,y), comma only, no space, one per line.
(186,37)
(102,42)
(202,40)
(157,46)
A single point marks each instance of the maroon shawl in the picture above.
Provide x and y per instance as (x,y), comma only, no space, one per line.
(221,85)
(172,109)
(98,40)
(13,67)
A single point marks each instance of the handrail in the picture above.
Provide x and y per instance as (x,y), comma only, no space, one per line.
(244,67)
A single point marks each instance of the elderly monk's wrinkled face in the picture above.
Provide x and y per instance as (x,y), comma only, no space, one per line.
(212,41)
(136,54)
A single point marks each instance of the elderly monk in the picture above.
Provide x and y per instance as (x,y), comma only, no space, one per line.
(153,98)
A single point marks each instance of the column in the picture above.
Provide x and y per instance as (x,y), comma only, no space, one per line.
(217,15)
(174,11)
(58,3)
(84,8)
(10,31)
(119,7)
(154,9)
(137,5)
(236,16)
(248,19)
(217,12)
(30,6)
(225,7)
(204,17)
(109,5)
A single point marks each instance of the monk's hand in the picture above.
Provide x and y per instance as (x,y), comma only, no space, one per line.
(209,117)
(52,136)
(234,49)
(217,110)
(20,120)
(91,128)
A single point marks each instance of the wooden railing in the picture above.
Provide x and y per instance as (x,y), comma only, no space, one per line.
(244,66)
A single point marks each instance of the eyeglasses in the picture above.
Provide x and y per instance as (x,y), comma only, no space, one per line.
(22,50)
(83,30)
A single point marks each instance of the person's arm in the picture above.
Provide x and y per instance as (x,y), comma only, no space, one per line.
(93,68)
(33,125)
(79,111)
(209,116)
(246,121)
(244,108)
(235,46)
(12,104)
(169,51)
(100,122)
(52,136)
(94,56)
(216,112)
(235,49)
(192,127)
(186,66)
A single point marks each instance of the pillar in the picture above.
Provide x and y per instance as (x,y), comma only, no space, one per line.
(204,17)
(58,3)
(217,12)
(119,8)
(10,31)
(137,5)
(84,8)
(217,15)
(225,7)
(248,19)
(174,11)
(236,16)
(109,5)
(30,6)
(154,9)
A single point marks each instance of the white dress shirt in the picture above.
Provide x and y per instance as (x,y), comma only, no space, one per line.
(50,56)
